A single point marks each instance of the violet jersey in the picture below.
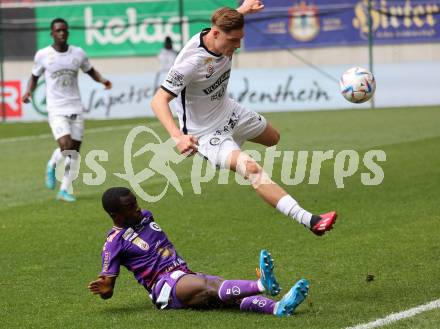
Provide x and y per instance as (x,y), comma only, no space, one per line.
(144,250)
(199,79)
(61,75)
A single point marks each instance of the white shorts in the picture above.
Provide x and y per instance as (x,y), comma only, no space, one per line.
(242,125)
(63,125)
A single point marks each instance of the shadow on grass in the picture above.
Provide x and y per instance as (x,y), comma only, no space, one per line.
(142,307)
(147,308)
(129,309)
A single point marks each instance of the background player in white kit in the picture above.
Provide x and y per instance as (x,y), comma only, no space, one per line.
(215,125)
(60,64)
(166,57)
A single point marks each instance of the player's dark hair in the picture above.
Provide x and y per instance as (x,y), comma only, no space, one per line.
(58,20)
(111,199)
(227,19)
(168,43)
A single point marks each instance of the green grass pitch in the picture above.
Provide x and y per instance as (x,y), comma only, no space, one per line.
(51,250)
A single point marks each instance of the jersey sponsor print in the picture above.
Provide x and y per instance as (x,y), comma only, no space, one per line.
(144,250)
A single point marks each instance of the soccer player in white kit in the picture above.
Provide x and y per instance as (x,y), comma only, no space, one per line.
(215,125)
(167,56)
(60,64)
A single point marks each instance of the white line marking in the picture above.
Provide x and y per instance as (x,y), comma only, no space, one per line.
(88,131)
(393,317)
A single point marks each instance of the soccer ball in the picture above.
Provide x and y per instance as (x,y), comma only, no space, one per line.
(357,85)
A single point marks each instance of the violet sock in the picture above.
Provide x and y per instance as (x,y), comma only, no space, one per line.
(258,304)
(237,289)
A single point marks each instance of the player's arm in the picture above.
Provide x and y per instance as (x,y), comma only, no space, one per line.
(103,286)
(161,107)
(95,75)
(250,6)
(32,84)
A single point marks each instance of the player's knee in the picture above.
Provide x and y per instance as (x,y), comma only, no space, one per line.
(275,138)
(256,175)
(212,287)
(252,168)
(209,292)
(247,167)
(66,145)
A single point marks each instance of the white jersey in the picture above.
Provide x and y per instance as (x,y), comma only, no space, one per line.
(61,75)
(199,79)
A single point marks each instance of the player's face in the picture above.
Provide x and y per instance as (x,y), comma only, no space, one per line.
(227,43)
(60,33)
(129,213)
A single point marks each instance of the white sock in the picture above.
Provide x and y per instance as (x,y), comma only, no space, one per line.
(289,207)
(70,171)
(260,286)
(56,157)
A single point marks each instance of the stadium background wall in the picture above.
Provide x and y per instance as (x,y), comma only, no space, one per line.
(21,42)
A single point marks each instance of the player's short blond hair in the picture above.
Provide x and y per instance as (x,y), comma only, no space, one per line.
(227,19)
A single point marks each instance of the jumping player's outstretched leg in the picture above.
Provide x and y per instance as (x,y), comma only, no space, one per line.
(276,196)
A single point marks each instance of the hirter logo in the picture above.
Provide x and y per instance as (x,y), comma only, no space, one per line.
(304,21)
(12,99)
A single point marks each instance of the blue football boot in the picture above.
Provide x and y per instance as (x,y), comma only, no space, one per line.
(290,301)
(65,196)
(267,277)
(50,177)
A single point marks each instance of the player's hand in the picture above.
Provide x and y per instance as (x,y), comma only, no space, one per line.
(250,6)
(186,144)
(26,97)
(108,84)
(102,286)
